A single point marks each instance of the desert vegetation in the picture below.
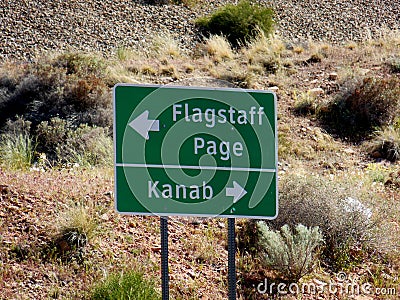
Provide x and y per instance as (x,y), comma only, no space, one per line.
(339,170)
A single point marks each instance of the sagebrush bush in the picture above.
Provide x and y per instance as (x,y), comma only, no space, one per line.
(334,207)
(123,286)
(363,106)
(239,23)
(291,254)
(70,86)
(63,142)
(90,146)
(66,102)
(30,93)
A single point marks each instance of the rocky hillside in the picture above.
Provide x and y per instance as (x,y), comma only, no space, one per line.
(31,27)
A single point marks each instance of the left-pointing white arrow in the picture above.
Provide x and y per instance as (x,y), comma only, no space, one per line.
(236,191)
(143,125)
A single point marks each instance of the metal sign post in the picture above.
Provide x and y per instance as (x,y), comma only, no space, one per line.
(164,257)
(231,260)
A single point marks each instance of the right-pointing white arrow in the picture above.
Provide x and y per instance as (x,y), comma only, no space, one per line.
(237,192)
(143,125)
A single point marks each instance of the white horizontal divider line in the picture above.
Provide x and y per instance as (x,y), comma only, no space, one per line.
(195,167)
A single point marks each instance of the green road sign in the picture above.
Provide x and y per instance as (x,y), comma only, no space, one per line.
(195,151)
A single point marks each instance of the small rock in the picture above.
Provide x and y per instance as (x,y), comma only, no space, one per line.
(109,194)
(376,154)
(333,76)
(316,92)
(192,274)
(104,217)
(273,88)
(156,248)
(364,71)
(349,151)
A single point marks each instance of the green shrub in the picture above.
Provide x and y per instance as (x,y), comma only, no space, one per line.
(239,23)
(292,254)
(51,134)
(124,286)
(363,106)
(396,123)
(334,207)
(17,146)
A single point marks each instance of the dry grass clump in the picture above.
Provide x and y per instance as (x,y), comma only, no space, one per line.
(304,103)
(394,64)
(123,73)
(351,45)
(266,52)
(387,40)
(169,71)
(237,75)
(75,227)
(125,54)
(164,44)
(298,49)
(385,144)
(218,48)
(148,70)
(188,68)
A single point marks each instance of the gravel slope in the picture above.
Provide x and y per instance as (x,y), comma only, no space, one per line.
(336,20)
(29,27)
